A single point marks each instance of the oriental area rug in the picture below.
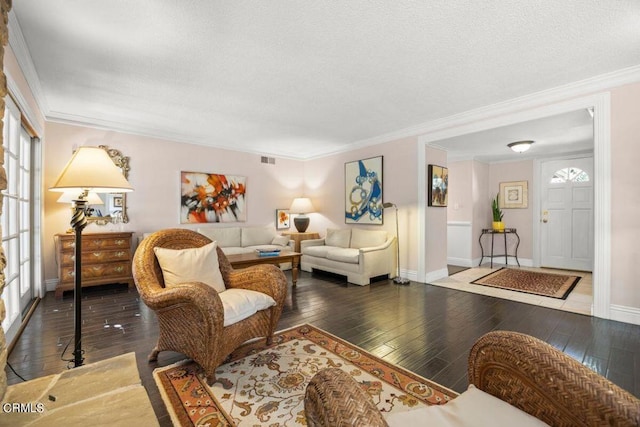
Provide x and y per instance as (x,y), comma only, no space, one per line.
(265,385)
(532,282)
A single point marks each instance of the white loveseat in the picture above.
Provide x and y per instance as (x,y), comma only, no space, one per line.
(240,240)
(356,253)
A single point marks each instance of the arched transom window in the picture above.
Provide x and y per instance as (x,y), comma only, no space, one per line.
(569,174)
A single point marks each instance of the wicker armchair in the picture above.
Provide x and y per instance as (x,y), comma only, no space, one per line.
(518,369)
(191,315)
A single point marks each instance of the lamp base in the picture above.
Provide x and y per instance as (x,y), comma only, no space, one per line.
(301,223)
(401,280)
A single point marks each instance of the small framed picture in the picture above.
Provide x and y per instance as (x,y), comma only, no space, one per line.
(513,195)
(117,201)
(439,188)
(282,219)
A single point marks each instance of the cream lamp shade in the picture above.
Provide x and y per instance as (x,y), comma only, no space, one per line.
(301,206)
(91,168)
(70,196)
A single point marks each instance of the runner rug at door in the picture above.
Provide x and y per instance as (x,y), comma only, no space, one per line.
(532,282)
(265,385)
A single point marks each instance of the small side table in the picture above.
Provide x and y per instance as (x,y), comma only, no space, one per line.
(298,237)
(506,255)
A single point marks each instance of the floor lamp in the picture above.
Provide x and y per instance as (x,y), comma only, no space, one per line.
(398,279)
(90,169)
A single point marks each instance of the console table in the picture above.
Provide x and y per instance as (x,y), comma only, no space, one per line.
(504,233)
(106,258)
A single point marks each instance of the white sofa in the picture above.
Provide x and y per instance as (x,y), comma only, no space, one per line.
(356,253)
(240,240)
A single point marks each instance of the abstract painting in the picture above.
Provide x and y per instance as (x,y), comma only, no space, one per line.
(210,197)
(363,191)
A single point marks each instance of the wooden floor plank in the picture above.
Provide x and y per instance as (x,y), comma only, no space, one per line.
(426,328)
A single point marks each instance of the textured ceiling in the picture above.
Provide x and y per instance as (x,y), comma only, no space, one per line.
(302,79)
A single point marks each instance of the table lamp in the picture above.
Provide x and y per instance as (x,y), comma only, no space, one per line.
(301,206)
(90,169)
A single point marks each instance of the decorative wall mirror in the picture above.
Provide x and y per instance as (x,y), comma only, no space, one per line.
(112,207)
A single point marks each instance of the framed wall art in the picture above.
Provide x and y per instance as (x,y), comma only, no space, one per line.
(363,191)
(514,195)
(282,219)
(438,191)
(210,197)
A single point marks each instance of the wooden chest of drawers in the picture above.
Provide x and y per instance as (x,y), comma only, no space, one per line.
(106,258)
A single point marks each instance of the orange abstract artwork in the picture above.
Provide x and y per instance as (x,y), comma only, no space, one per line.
(208,197)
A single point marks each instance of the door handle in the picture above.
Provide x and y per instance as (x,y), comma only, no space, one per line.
(545,216)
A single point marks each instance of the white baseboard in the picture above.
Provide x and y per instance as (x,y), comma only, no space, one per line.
(462,262)
(625,314)
(432,276)
(50,284)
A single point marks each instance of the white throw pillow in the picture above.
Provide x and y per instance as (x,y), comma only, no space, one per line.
(280,240)
(474,407)
(190,265)
(241,303)
(338,238)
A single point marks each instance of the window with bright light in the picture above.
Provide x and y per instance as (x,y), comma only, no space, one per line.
(569,174)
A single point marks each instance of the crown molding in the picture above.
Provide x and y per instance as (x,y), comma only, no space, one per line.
(23,56)
(579,88)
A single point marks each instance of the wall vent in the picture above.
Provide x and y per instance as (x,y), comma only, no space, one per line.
(268,160)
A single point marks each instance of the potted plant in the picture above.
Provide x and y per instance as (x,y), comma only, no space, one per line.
(498,225)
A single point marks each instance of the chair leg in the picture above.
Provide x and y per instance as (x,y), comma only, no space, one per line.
(211,379)
(270,339)
(153,356)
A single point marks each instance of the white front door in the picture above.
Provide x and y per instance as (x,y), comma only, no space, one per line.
(566,239)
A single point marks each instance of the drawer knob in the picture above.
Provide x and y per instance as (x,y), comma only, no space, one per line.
(119,269)
(120,242)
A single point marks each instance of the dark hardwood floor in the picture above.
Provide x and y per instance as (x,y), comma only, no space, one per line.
(426,329)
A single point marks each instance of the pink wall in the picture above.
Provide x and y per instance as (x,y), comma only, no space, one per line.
(481,208)
(155,176)
(460,206)
(436,220)
(324,180)
(625,196)
(521,219)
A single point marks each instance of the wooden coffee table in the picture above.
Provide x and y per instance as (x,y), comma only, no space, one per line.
(246,260)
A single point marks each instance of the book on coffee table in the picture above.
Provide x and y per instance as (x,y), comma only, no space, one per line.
(268,252)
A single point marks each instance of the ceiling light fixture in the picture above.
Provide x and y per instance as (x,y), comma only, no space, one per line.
(520,146)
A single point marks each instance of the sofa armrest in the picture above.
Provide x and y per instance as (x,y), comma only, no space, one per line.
(381,247)
(311,242)
(546,383)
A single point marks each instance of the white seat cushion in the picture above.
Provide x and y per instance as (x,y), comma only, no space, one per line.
(190,265)
(252,236)
(225,236)
(474,407)
(347,255)
(241,303)
(367,238)
(317,251)
(339,238)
